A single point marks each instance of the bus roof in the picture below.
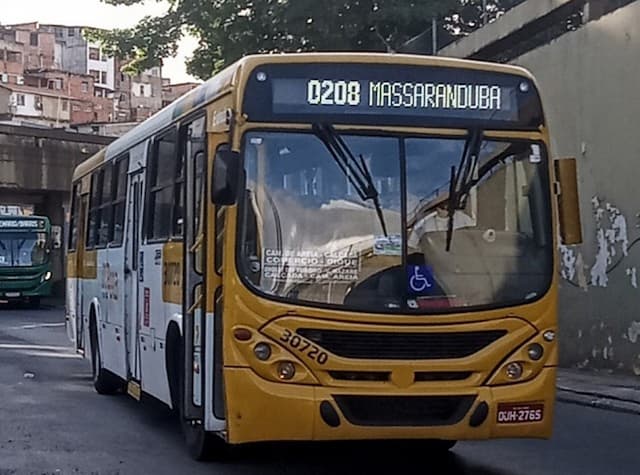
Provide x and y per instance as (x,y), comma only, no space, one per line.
(236,73)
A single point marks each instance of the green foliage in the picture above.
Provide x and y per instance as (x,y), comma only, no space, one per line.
(229,29)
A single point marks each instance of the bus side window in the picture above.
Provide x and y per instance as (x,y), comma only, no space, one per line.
(163,191)
(116,231)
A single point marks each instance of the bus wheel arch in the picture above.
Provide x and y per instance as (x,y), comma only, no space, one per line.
(173,362)
(104,381)
(201,445)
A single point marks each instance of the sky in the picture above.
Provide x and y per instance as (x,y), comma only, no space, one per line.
(97,14)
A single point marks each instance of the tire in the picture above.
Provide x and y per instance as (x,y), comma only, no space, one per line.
(201,444)
(34,302)
(104,382)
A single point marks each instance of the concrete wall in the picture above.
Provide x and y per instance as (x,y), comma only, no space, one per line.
(588,80)
(74,52)
(510,22)
(589,83)
(56,109)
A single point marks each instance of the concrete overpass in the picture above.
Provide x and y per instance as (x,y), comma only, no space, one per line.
(36,165)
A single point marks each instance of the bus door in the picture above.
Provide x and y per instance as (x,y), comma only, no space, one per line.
(197,324)
(132,276)
(83,206)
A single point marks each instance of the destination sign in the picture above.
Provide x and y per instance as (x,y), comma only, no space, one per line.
(21,223)
(390,94)
(406,95)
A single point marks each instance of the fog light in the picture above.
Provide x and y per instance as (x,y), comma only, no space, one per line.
(45,277)
(262,351)
(549,335)
(286,370)
(514,370)
(535,351)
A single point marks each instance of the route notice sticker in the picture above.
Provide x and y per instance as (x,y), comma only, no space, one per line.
(514,413)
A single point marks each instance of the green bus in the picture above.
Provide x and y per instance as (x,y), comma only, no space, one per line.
(25,264)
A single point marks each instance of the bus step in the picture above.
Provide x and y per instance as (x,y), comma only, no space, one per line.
(134,390)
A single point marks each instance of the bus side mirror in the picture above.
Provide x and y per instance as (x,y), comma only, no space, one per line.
(225,176)
(568,201)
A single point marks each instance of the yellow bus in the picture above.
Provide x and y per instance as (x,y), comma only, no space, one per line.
(329,247)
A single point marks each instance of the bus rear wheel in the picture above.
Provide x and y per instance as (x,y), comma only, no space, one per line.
(104,382)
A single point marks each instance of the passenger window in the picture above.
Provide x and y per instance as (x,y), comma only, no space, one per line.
(165,214)
(116,233)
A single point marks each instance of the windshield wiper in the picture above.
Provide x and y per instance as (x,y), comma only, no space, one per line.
(461,178)
(356,171)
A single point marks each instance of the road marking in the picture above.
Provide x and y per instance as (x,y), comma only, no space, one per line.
(31,326)
(15,346)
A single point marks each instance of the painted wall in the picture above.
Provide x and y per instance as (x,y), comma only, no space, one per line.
(28,109)
(56,109)
(589,80)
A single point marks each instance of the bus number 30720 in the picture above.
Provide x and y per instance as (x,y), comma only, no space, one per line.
(304,346)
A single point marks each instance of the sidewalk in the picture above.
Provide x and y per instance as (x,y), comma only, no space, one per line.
(599,389)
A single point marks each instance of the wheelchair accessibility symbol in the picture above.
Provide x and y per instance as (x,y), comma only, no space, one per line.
(420,279)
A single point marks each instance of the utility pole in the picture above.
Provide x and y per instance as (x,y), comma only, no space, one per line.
(484,12)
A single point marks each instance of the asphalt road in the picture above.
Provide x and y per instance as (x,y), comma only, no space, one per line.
(52,422)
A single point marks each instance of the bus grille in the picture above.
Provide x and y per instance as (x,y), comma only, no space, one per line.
(403,411)
(401,346)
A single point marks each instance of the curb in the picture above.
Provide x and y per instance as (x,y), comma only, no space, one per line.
(598,401)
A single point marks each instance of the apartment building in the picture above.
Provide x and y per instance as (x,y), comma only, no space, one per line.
(171,92)
(33,106)
(58,62)
(140,96)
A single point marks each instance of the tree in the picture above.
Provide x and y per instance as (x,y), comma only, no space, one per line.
(469,15)
(229,29)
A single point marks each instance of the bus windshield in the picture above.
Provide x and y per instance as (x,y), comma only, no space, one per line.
(23,249)
(309,233)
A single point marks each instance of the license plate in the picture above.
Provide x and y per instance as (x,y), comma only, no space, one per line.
(12,294)
(514,413)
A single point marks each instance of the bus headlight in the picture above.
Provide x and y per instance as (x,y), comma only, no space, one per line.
(45,277)
(262,351)
(513,370)
(525,363)
(286,370)
(535,351)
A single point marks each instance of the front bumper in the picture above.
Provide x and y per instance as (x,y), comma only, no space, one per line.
(262,410)
(19,291)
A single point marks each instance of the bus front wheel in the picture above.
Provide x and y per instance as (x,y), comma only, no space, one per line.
(201,444)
